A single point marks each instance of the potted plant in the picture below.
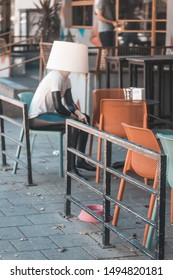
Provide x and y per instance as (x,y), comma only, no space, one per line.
(49,20)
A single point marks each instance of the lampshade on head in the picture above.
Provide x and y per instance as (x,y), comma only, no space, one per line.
(67,56)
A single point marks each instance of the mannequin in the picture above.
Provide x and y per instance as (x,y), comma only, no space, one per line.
(47,110)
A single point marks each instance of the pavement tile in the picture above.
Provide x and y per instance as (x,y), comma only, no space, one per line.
(5,203)
(33,244)
(6,247)
(9,194)
(19,210)
(76,226)
(134,258)
(33,255)
(75,253)
(37,191)
(7,233)
(1,214)
(14,221)
(42,218)
(72,240)
(109,253)
(50,208)
(42,230)
(21,201)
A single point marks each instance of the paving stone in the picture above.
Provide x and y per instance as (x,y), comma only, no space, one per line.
(42,230)
(35,191)
(75,253)
(36,243)
(14,221)
(9,194)
(47,218)
(19,210)
(77,226)
(1,214)
(21,201)
(8,233)
(58,198)
(112,253)
(6,247)
(33,255)
(5,203)
(134,258)
(72,240)
(50,208)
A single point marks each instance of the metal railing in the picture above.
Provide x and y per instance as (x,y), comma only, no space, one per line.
(105,194)
(96,54)
(22,46)
(24,125)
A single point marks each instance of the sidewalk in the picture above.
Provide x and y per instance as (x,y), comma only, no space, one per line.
(33,225)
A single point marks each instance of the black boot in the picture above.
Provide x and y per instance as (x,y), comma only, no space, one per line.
(73,156)
(75,171)
(82,141)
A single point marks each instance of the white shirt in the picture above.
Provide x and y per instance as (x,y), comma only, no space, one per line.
(42,101)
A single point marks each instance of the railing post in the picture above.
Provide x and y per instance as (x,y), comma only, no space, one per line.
(106,192)
(3,146)
(26,131)
(161,210)
(68,168)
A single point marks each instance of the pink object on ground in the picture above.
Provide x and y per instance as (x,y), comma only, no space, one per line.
(84,216)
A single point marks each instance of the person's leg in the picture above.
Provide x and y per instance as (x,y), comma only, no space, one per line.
(48,121)
(107,38)
(81,145)
(74,138)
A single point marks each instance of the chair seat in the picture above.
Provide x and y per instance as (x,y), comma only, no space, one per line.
(57,130)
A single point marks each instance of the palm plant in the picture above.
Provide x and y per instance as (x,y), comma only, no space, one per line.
(49,20)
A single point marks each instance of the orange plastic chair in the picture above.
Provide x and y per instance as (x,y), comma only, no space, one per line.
(141,165)
(115,111)
(98,95)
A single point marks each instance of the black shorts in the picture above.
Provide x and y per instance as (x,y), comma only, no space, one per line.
(107,38)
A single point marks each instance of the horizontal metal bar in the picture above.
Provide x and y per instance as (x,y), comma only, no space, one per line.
(117,173)
(12,101)
(89,159)
(132,241)
(11,121)
(132,181)
(128,209)
(82,206)
(84,182)
(14,158)
(114,139)
(13,140)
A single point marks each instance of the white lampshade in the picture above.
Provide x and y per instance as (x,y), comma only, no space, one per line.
(67,56)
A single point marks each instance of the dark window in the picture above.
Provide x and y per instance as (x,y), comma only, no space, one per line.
(82,13)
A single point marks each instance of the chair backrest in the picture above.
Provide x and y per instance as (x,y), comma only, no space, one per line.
(115,111)
(104,93)
(26,97)
(143,165)
(167,144)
